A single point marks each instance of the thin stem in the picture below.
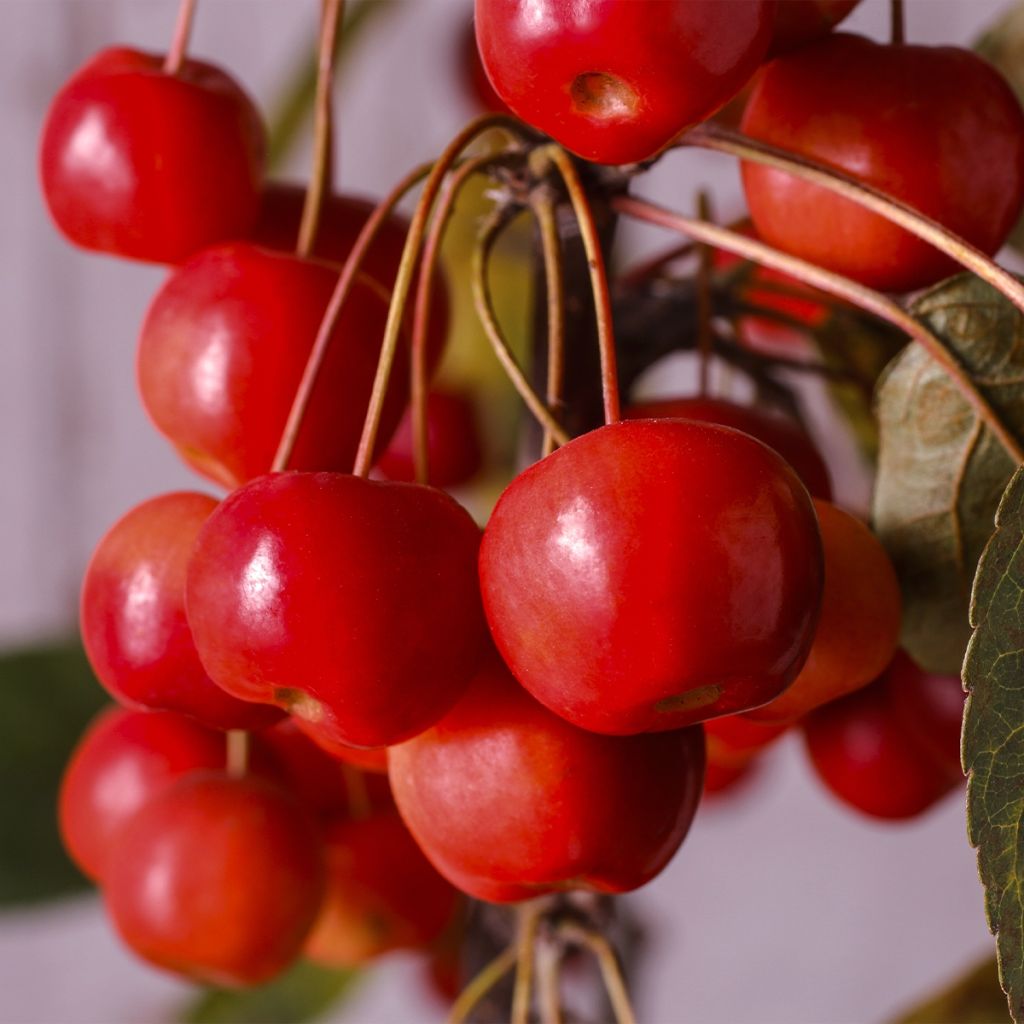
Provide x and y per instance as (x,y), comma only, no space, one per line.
(611,969)
(237,743)
(897,33)
(544,210)
(342,289)
(359,806)
(182,34)
(549,999)
(850,291)
(598,278)
(424,297)
(330,23)
(704,305)
(490,231)
(403,281)
(522,994)
(649,268)
(485,980)
(711,136)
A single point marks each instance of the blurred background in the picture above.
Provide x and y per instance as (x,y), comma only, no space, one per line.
(780,907)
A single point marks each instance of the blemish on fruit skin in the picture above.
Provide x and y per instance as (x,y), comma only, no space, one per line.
(603,96)
(299,704)
(690,700)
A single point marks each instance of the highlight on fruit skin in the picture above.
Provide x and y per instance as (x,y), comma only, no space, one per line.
(538,819)
(653,574)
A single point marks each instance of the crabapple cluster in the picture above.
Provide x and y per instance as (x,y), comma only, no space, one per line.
(343,704)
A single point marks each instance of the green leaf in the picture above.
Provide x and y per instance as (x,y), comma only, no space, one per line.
(305,993)
(993,738)
(49,696)
(975,998)
(940,471)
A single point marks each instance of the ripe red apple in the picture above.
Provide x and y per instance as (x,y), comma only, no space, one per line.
(353,604)
(150,165)
(510,801)
(223,349)
(652,574)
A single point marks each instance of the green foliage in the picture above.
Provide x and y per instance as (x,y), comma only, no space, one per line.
(49,697)
(305,993)
(941,472)
(993,739)
(975,998)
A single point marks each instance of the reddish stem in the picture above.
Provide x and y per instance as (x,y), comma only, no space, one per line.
(711,136)
(850,291)
(490,231)
(182,34)
(545,211)
(598,278)
(330,23)
(423,301)
(237,741)
(346,281)
(403,282)
(897,22)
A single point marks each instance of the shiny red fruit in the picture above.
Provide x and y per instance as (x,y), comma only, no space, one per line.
(153,166)
(352,603)
(453,443)
(122,761)
(616,82)
(801,21)
(341,219)
(782,434)
(217,878)
(510,801)
(931,710)
(374,760)
(733,739)
(382,894)
(804,308)
(320,781)
(862,750)
(652,574)
(889,116)
(133,621)
(859,628)
(223,349)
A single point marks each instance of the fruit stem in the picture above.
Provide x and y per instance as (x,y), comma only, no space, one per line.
(704,310)
(182,34)
(424,295)
(346,281)
(490,231)
(598,278)
(850,291)
(897,33)
(611,969)
(482,983)
(237,743)
(710,136)
(522,994)
(542,202)
(358,796)
(403,281)
(549,963)
(330,24)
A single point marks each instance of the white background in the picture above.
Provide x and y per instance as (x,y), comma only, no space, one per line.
(781,907)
